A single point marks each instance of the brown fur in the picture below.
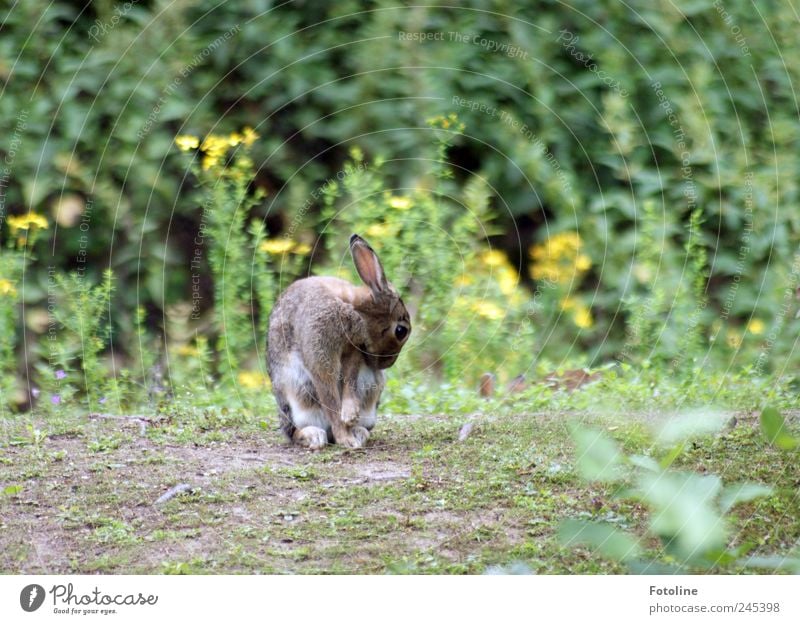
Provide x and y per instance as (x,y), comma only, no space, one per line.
(328,344)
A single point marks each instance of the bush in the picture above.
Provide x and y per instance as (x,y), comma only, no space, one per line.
(662,140)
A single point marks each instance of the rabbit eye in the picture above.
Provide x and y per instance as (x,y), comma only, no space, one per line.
(400,332)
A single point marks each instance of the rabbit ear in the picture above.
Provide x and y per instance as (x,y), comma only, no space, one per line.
(368,265)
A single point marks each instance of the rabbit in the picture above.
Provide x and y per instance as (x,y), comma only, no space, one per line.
(329,342)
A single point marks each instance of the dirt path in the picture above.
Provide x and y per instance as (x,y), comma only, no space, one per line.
(415,500)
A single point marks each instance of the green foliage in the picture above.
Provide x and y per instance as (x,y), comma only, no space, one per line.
(611,541)
(674,171)
(687,511)
(774,429)
(430,242)
(233,249)
(83,318)
(599,459)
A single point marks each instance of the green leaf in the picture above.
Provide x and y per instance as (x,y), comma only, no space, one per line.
(673,454)
(737,493)
(611,542)
(691,425)
(599,457)
(645,462)
(12,490)
(684,511)
(774,429)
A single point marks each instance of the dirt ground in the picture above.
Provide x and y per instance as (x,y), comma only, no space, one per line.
(83,499)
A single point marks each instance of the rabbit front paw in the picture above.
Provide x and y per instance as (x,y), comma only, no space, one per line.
(355,437)
(314,438)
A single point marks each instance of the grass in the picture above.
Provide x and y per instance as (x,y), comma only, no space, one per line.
(80,493)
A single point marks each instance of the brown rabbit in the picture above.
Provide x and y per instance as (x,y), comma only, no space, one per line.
(329,342)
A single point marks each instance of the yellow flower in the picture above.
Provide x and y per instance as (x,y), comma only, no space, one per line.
(558,258)
(734,339)
(583,318)
(301,249)
(188,351)
(378,230)
(400,203)
(249,136)
(7,288)
(756,326)
(567,303)
(441,121)
(493,258)
(26,222)
(209,161)
(488,309)
(581,315)
(583,263)
(507,280)
(277,246)
(234,139)
(253,380)
(187,142)
(465,279)
(214,148)
(215,144)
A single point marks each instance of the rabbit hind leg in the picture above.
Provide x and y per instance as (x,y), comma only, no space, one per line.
(299,406)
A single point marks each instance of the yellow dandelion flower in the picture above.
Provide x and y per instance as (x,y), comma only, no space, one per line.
(26,222)
(253,380)
(215,144)
(400,203)
(209,161)
(7,287)
(756,326)
(188,351)
(186,142)
(493,258)
(277,246)
(558,258)
(465,279)
(234,139)
(378,230)
(582,317)
(508,280)
(214,148)
(488,309)
(567,303)
(249,136)
(546,272)
(302,249)
(583,263)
